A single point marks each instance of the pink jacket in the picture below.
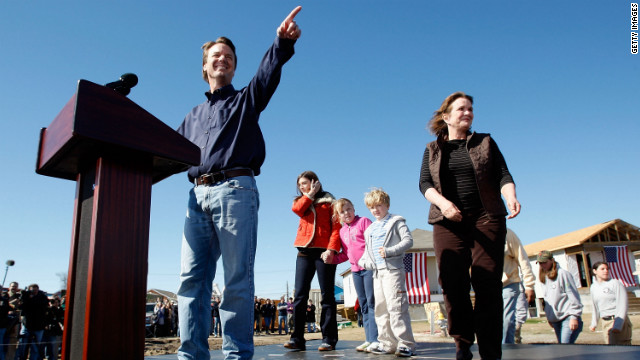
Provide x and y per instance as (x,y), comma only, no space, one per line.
(352,238)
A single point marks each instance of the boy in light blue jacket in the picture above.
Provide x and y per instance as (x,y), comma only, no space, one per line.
(386,240)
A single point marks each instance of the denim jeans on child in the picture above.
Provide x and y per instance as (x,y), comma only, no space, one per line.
(363,282)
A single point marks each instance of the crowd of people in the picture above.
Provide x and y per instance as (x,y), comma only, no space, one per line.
(164,321)
(31,324)
(274,315)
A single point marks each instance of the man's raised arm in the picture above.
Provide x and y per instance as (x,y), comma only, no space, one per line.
(289,29)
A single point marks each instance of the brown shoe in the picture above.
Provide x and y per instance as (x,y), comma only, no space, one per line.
(326,347)
(517,336)
(293,345)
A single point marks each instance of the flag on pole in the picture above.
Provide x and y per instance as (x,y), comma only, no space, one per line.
(619,265)
(417,283)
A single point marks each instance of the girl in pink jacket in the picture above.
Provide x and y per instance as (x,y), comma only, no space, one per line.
(352,238)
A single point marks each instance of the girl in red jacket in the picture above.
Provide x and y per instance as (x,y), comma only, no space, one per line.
(317,232)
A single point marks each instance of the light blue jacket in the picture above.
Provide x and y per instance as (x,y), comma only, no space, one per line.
(397,241)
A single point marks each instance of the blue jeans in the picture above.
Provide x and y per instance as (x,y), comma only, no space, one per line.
(31,339)
(311,327)
(522,307)
(51,345)
(2,347)
(282,323)
(217,328)
(221,221)
(563,333)
(510,295)
(258,322)
(267,323)
(306,267)
(363,282)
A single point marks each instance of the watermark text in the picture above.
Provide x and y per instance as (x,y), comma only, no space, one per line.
(634,28)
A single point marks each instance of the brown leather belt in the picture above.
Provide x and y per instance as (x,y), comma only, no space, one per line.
(212,178)
(608,317)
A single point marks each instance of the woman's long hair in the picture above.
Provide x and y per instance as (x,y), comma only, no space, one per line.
(311,176)
(551,274)
(437,124)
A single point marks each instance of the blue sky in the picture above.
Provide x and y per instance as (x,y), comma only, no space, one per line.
(554,83)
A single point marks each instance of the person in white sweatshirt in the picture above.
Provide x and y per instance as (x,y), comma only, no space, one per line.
(610,304)
(561,299)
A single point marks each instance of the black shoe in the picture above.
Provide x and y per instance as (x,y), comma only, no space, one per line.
(464,354)
(404,352)
(293,345)
(326,347)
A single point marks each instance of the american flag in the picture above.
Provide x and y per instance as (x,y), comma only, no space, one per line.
(619,266)
(415,267)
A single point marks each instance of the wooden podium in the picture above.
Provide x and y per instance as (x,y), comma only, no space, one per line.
(115,151)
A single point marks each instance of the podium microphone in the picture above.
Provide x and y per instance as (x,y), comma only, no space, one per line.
(124,85)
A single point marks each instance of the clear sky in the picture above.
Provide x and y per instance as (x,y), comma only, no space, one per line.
(554,82)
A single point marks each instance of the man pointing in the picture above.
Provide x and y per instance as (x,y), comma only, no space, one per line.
(222,212)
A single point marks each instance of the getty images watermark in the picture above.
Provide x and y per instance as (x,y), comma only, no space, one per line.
(634,28)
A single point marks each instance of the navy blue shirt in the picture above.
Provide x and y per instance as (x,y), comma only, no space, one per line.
(225,126)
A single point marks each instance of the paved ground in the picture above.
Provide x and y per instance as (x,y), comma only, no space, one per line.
(443,351)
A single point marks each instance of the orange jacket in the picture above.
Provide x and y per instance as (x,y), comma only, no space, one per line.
(317,229)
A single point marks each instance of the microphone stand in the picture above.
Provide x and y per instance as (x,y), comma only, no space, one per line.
(6,270)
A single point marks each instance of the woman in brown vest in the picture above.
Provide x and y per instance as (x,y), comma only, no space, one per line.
(463,175)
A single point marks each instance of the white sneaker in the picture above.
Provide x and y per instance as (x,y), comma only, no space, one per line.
(373,345)
(363,347)
(381,350)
